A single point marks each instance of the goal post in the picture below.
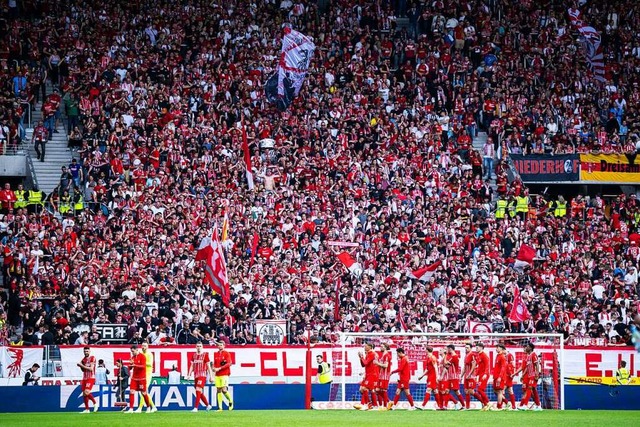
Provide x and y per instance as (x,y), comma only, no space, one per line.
(348,373)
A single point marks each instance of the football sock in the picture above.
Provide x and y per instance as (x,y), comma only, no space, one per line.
(198,396)
(438,399)
(468,400)
(512,398)
(220,400)
(203,399)
(427,396)
(374,398)
(131,399)
(525,398)
(445,399)
(410,399)
(485,399)
(536,397)
(396,399)
(453,398)
(91,398)
(146,399)
(478,398)
(86,401)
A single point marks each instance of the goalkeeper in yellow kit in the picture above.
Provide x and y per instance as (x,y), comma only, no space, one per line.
(149,366)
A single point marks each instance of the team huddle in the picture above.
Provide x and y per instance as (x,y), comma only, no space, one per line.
(444,375)
(141,365)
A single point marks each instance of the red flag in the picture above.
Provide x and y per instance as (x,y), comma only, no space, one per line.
(349,261)
(247,157)
(254,247)
(525,257)
(425,273)
(519,311)
(215,271)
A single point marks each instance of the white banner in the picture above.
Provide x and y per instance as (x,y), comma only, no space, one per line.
(286,364)
(15,361)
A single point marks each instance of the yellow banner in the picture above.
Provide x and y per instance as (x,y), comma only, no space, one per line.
(601,380)
(610,168)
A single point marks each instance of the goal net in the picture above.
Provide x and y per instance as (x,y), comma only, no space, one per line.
(348,372)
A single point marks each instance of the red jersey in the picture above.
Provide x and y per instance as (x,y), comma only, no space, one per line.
(453,366)
(139,367)
(222,359)
(500,366)
(529,366)
(370,369)
(444,372)
(431,365)
(384,373)
(404,370)
(511,367)
(469,368)
(482,367)
(91,373)
(200,364)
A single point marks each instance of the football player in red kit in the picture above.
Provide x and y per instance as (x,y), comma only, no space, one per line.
(511,370)
(384,372)
(482,369)
(470,375)
(404,374)
(368,360)
(431,372)
(530,375)
(500,374)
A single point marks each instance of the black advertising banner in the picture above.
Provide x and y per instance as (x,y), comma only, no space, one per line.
(546,168)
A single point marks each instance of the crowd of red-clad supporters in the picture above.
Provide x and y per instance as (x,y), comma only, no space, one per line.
(376,151)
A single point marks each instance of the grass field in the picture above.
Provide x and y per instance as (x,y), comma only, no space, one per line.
(325,418)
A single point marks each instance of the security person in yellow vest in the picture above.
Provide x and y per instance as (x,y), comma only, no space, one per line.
(78,200)
(623,376)
(511,207)
(501,208)
(522,206)
(21,197)
(35,200)
(324,371)
(65,203)
(561,208)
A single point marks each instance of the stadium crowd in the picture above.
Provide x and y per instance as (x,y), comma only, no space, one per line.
(377,150)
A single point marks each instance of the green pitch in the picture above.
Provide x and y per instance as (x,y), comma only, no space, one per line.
(354,418)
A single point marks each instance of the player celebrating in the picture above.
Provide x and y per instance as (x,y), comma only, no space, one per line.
(482,369)
(88,367)
(404,376)
(384,372)
(368,384)
(222,368)
(200,367)
(469,375)
(530,374)
(443,380)
(138,378)
(431,372)
(149,372)
(452,364)
(500,373)
(511,370)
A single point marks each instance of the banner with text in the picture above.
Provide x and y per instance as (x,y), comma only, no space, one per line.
(545,168)
(286,364)
(618,168)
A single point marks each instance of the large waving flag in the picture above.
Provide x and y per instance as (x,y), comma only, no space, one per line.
(519,312)
(525,257)
(590,40)
(425,273)
(295,57)
(210,251)
(352,265)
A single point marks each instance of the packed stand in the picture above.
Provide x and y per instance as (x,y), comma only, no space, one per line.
(377,150)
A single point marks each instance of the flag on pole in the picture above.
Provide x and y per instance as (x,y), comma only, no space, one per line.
(215,271)
(285,84)
(400,320)
(247,157)
(352,265)
(525,257)
(590,40)
(519,311)
(425,273)
(336,303)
